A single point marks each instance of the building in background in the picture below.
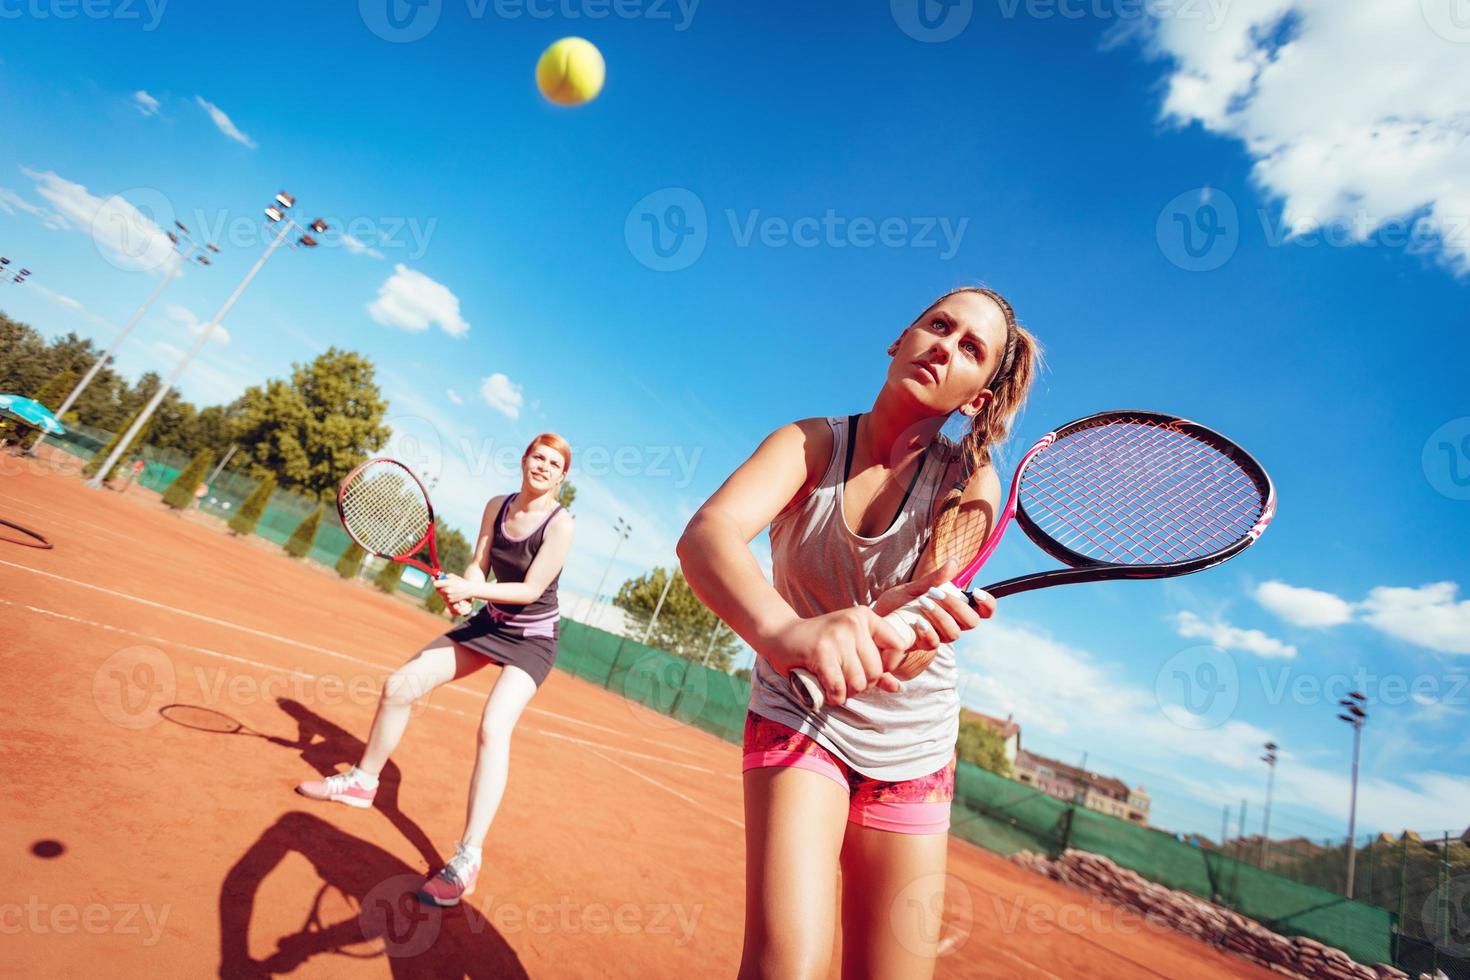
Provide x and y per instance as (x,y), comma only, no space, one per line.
(1094,791)
(1009,731)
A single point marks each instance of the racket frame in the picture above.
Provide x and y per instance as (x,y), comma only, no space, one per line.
(405,557)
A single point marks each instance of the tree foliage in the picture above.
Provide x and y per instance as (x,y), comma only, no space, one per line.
(313,429)
(566,494)
(95,463)
(685,625)
(388,576)
(982,745)
(349,565)
(254,506)
(180,494)
(298,545)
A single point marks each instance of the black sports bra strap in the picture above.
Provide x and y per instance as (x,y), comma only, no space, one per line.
(852,421)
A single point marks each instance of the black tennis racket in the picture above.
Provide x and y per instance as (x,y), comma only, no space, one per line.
(1117,495)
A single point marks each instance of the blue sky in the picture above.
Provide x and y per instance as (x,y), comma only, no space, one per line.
(1203,211)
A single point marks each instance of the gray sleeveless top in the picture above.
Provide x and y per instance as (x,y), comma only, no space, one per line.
(821,566)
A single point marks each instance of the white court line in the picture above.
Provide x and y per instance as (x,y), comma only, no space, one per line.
(296,643)
(307,675)
(669,789)
(53,515)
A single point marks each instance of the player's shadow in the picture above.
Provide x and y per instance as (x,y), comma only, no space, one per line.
(379,917)
(325,747)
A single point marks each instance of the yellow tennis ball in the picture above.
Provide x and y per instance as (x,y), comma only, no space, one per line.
(571,71)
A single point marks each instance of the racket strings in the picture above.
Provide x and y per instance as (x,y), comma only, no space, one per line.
(384,508)
(1138,492)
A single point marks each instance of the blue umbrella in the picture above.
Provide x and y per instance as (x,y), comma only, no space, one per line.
(32,413)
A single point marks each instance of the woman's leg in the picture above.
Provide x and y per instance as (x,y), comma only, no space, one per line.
(794,821)
(892,903)
(508,698)
(441,661)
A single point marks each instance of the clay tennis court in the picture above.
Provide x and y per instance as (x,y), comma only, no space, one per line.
(141,846)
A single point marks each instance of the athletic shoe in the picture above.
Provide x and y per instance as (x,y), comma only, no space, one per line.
(341,788)
(453,882)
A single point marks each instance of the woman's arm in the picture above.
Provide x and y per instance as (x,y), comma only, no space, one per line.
(555,545)
(848,649)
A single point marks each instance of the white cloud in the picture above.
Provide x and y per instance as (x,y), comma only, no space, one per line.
(185,316)
(1226,637)
(411,300)
(126,236)
(1427,616)
(454,396)
(145,103)
(1303,607)
(10,202)
(223,122)
(358,248)
(209,382)
(1353,113)
(502,395)
(67,302)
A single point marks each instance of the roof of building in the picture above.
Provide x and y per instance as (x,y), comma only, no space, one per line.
(1007,728)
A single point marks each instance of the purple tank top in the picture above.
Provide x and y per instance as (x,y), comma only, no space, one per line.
(510,559)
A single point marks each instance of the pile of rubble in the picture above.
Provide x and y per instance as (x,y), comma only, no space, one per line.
(1291,956)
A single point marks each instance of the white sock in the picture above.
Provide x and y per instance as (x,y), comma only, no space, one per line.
(367,779)
(472,851)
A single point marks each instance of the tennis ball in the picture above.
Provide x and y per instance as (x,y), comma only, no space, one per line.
(571,71)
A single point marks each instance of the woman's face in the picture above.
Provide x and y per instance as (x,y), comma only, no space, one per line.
(946,358)
(543,467)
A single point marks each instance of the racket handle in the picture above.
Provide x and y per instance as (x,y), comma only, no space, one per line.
(454,609)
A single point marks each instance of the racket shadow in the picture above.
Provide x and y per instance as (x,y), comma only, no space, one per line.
(324,747)
(376,915)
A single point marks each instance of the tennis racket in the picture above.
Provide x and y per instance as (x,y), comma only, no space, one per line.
(1117,495)
(386,510)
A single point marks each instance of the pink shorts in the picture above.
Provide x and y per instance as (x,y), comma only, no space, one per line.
(913,806)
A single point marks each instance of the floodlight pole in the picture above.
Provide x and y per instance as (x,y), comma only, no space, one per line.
(648,630)
(204,337)
(1354,715)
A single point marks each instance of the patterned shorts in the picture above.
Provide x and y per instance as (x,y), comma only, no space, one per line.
(912,806)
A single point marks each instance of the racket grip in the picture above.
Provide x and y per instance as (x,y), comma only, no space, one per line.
(906,618)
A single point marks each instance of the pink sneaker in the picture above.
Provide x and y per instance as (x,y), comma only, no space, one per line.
(341,788)
(453,882)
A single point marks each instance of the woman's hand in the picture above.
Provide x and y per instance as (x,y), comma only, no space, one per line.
(848,651)
(455,590)
(945,615)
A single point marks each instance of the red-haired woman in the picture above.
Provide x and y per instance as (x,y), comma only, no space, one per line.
(524,540)
(864,785)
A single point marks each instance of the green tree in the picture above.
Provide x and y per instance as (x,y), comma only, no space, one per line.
(982,745)
(434,602)
(180,493)
(685,626)
(172,421)
(566,494)
(388,576)
(454,550)
(298,545)
(313,429)
(95,463)
(254,506)
(27,362)
(350,564)
(52,394)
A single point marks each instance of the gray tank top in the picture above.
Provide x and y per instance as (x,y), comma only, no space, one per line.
(821,566)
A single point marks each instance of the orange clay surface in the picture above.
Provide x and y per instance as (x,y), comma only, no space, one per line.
(135,846)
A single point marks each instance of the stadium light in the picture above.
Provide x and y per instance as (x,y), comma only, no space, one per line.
(1357,717)
(285,201)
(182,252)
(1270,760)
